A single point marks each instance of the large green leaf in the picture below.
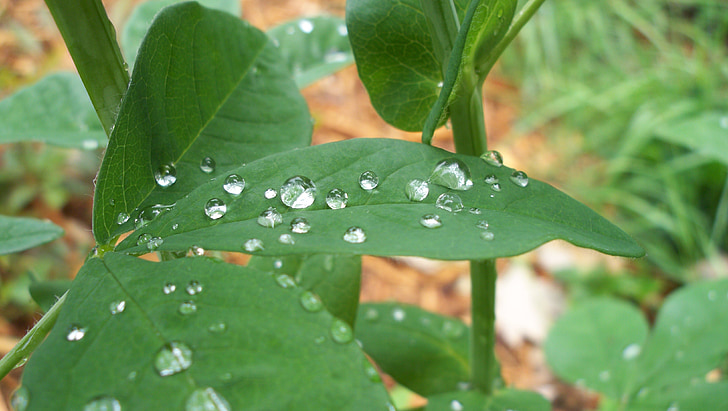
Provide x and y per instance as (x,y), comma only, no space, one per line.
(425,352)
(22,233)
(519,218)
(706,133)
(314,47)
(249,339)
(141,18)
(603,344)
(205,84)
(508,399)
(336,279)
(55,110)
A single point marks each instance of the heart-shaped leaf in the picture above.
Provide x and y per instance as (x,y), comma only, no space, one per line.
(195,333)
(497,219)
(22,233)
(507,399)
(208,93)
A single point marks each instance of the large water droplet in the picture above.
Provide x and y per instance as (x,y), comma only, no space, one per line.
(253,245)
(194,287)
(336,199)
(305,25)
(234,184)
(452,173)
(398,314)
(286,239)
(104,403)
(270,194)
(270,218)
(173,358)
(519,178)
(368,180)
(300,225)
(417,190)
(206,399)
(122,218)
(431,221)
(631,351)
(355,235)
(285,281)
(449,202)
(187,308)
(117,307)
(75,333)
(169,288)
(20,399)
(493,158)
(341,332)
(215,208)
(298,192)
(311,302)
(207,165)
(165,175)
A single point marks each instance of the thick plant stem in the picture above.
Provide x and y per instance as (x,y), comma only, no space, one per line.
(468,124)
(482,334)
(91,40)
(32,339)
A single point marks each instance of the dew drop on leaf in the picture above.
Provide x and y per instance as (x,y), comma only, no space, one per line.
(173,358)
(431,221)
(154,243)
(286,239)
(234,184)
(449,202)
(631,351)
(104,403)
(217,328)
(371,314)
(487,235)
(144,239)
(342,30)
(298,192)
(253,245)
(493,158)
(371,372)
(75,333)
(336,199)
(417,190)
(305,25)
(207,165)
(270,218)
(169,288)
(187,308)
(482,224)
(20,399)
(495,187)
(368,180)
(122,218)
(117,307)
(475,210)
(341,332)
(491,179)
(285,281)
(165,175)
(455,405)
(206,399)
(453,174)
(398,314)
(300,225)
(355,235)
(149,213)
(519,178)
(311,302)
(270,194)
(215,208)
(197,251)
(194,287)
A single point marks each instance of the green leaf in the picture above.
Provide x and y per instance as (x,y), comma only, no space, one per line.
(249,340)
(46,293)
(141,18)
(22,233)
(240,105)
(520,218)
(336,279)
(507,399)
(55,110)
(425,352)
(314,47)
(705,133)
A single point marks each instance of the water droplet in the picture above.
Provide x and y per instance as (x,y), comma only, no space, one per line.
(474,210)
(398,314)
(368,180)
(336,199)
(604,375)
(495,187)
(194,287)
(175,226)
(169,288)
(20,399)
(143,239)
(234,184)
(149,213)
(417,190)
(452,173)
(455,405)
(371,372)
(306,26)
(440,84)
(270,194)
(286,239)
(122,218)
(253,245)
(482,224)
(104,403)
(300,225)
(341,332)
(371,314)
(431,221)
(487,235)
(206,399)
(491,179)
(173,358)
(493,158)
(270,218)
(21,362)
(117,307)
(154,243)
(449,202)
(519,178)
(207,165)
(320,339)
(166,175)
(342,30)
(311,302)
(197,251)
(355,235)
(277,264)
(285,281)
(75,333)
(187,308)
(217,328)
(452,329)
(298,192)
(112,201)
(215,208)
(631,351)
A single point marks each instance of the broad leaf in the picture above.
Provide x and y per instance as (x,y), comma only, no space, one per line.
(314,47)
(519,218)
(22,233)
(425,352)
(224,335)
(603,344)
(55,110)
(141,18)
(336,279)
(508,399)
(46,293)
(705,133)
(205,84)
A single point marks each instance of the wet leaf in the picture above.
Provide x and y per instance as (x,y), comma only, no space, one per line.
(507,399)
(22,233)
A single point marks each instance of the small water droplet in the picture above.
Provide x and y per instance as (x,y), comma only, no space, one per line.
(169,288)
(75,333)
(491,179)
(194,287)
(206,399)
(604,375)
(482,224)
(398,314)
(493,158)
(319,340)
(370,372)
(495,187)
(305,25)
(440,84)
(368,180)
(234,184)
(474,210)
(270,218)
(300,225)
(148,214)
(631,351)
(341,332)
(143,239)
(519,178)
(487,235)
(207,165)
(277,264)
(452,329)
(21,362)
(342,30)
(449,202)
(215,208)
(417,190)
(336,199)
(154,243)
(455,405)
(286,239)
(431,221)
(117,307)
(355,235)
(217,328)
(298,192)
(371,314)
(173,358)
(270,194)
(122,218)
(453,174)
(104,403)
(285,281)
(253,245)
(187,308)
(166,175)
(197,251)
(311,302)
(175,226)
(20,399)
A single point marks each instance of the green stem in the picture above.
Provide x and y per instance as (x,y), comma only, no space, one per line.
(468,124)
(32,339)
(444,25)
(482,334)
(91,40)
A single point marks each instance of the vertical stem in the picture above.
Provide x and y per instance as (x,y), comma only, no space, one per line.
(482,335)
(468,124)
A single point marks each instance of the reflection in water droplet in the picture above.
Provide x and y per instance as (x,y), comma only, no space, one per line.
(455,405)
(75,333)
(487,235)
(194,287)
(103,404)
(491,179)
(154,243)
(206,399)
(187,308)
(169,288)
(215,208)
(417,190)
(305,25)
(398,314)
(173,358)
(207,165)
(217,328)
(336,199)
(20,399)
(286,239)
(122,218)
(519,178)
(355,235)
(270,194)
(143,239)
(300,225)
(311,302)
(495,187)
(431,221)
(285,281)
(165,175)
(453,174)
(368,180)
(270,218)
(298,192)
(253,245)
(117,307)
(449,202)
(631,351)
(234,184)
(341,332)
(493,158)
